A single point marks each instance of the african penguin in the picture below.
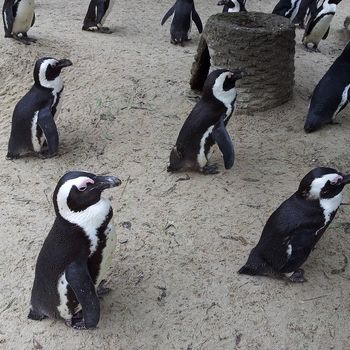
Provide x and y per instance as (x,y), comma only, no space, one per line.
(18,17)
(287,8)
(306,6)
(183,11)
(75,255)
(233,5)
(331,94)
(33,126)
(318,25)
(96,15)
(295,227)
(206,125)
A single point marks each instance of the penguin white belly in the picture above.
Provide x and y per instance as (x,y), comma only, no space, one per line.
(201,157)
(111,4)
(24,17)
(319,30)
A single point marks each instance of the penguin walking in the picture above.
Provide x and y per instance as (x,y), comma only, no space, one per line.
(295,227)
(18,17)
(318,25)
(232,5)
(331,94)
(33,126)
(75,255)
(183,11)
(206,125)
(96,15)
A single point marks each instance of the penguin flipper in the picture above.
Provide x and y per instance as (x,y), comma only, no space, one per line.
(80,281)
(196,19)
(326,34)
(7,14)
(100,6)
(223,140)
(168,14)
(48,126)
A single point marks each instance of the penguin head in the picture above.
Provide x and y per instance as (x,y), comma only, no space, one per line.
(47,71)
(220,85)
(78,190)
(322,183)
(233,5)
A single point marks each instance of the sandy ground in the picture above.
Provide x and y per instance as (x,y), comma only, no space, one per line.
(174,276)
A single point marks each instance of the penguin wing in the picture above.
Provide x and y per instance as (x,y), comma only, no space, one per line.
(168,14)
(7,13)
(48,126)
(196,19)
(281,8)
(223,140)
(79,279)
(100,6)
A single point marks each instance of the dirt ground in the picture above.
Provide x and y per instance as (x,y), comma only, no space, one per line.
(174,274)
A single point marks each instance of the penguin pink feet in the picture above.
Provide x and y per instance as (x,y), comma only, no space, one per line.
(297,276)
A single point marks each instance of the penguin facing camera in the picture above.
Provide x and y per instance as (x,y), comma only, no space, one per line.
(296,226)
(33,126)
(184,12)
(206,125)
(232,5)
(75,256)
(96,15)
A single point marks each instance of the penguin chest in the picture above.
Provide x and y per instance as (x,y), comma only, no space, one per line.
(320,29)
(24,16)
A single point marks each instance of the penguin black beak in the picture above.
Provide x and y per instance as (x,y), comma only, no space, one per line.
(346,180)
(104,182)
(64,63)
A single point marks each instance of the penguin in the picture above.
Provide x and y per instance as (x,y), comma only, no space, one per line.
(33,126)
(287,8)
(183,11)
(306,7)
(232,5)
(96,15)
(295,227)
(331,94)
(74,258)
(318,25)
(18,17)
(206,125)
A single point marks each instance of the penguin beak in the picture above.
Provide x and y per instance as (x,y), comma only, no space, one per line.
(104,182)
(346,180)
(221,2)
(239,74)
(64,63)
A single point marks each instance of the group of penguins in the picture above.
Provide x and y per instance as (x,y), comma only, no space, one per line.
(75,256)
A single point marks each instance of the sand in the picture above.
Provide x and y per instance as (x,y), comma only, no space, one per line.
(174,274)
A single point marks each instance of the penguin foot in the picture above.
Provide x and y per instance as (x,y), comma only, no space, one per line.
(297,276)
(46,155)
(91,29)
(11,156)
(36,315)
(210,169)
(105,30)
(21,40)
(77,322)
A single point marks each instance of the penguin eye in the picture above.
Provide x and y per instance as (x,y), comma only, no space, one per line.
(82,188)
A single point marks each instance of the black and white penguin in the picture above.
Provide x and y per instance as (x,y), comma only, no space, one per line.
(287,8)
(318,25)
(183,11)
(306,7)
(18,17)
(295,227)
(331,94)
(232,5)
(96,15)
(206,125)
(76,254)
(33,126)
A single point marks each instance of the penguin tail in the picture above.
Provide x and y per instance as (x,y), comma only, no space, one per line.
(248,270)
(313,122)
(255,265)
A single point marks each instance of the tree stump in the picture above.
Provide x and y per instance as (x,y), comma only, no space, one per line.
(262,44)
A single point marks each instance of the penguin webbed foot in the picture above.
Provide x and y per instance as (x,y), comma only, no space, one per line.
(46,155)
(105,30)
(21,39)
(297,276)
(210,169)
(312,49)
(77,322)
(36,315)
(11,156)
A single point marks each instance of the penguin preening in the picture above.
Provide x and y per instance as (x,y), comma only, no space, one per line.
(206,125)
(331,94)
(18,17)
(75,255)
(184,12)
(318,25)
(287,8)
(33,126)
(96,15)
(295,227)
(232,5)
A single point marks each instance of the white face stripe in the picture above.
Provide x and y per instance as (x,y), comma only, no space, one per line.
(294,9)
(318,184)
(89,219)
(236,7)
(226,97)
(56,84)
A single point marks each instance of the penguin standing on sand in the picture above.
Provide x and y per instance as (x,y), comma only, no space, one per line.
(96,15)
(331,94)
(206,125)
(318,25)
(232,5)
(18,17)
(183,11)
(295,227)
(75,255)
(33,126)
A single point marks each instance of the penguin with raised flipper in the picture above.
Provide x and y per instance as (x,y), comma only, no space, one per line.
(74,258)
(295,227)
(184,11)
(33,126)
(18,17)
(96,15)
(232,5)
(287,8)
(331,94)
(206,125)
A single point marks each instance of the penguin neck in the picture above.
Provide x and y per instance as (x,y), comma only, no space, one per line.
(55,85)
